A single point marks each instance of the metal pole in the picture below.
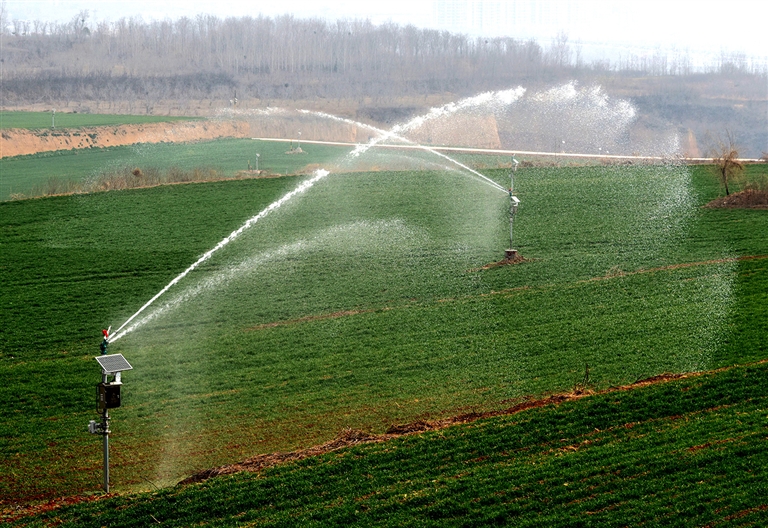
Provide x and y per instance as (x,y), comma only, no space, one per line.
(511,207)
(511,253)
(511,225)
(105,425)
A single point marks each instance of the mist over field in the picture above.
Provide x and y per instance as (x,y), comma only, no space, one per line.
(372,273)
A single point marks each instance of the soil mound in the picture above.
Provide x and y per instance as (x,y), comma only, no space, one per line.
(750,198)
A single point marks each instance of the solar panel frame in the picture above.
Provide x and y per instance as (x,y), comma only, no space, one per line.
(113,363)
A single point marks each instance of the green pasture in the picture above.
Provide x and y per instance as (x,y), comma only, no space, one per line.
(361,303)
(30,175)
(34,120)
(682,453)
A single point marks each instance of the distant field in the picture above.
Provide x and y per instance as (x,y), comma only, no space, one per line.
(361,304)
(30,175)
(34,120)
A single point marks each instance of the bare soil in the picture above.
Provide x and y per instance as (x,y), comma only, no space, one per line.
(518,259)
(16,142)
(747,199)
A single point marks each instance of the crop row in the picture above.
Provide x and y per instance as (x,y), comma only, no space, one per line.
(687,452)
(360,304)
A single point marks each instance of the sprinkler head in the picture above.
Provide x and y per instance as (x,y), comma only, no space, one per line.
(105,341)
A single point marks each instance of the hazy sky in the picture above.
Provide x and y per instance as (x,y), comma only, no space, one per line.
(621,26)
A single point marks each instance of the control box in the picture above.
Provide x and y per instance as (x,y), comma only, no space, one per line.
(108,395)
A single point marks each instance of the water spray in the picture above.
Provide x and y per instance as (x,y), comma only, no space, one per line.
(505,97)
(319,175)
(385,135)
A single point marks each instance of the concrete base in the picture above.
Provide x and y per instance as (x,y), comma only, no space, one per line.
(511,254)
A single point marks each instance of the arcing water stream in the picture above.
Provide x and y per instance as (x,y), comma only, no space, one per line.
(491,100)
(319,175)
(279,273)
(391,135)
(588,108)
(505,97)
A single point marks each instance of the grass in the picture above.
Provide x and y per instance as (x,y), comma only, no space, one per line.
(37,120)
(39,174)
(687,452)
(358,305)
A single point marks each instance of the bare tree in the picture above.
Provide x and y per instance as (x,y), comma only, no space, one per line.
(726,159)
(560,51)
(3,18)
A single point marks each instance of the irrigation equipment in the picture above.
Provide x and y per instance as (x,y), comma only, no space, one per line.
(107,397)
(514,202)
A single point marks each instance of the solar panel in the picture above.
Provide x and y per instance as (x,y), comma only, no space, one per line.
(113,363)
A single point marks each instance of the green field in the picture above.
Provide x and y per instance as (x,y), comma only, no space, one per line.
(683,453)
(60,119)
(31,175)
(359,304)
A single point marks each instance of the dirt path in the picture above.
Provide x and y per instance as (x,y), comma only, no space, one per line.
(16,141)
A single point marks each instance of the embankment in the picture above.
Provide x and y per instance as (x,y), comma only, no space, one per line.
(16,142)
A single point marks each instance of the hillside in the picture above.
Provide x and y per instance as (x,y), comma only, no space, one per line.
(683,452)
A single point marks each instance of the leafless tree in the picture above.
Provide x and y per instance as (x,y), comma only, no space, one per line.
(726,159)
(3,18)
(560,52)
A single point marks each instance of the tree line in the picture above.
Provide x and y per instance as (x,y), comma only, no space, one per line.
(379,72)
(283,57)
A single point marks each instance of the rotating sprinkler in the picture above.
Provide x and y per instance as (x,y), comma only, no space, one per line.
(107,396)
(514,202)
(105,341)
